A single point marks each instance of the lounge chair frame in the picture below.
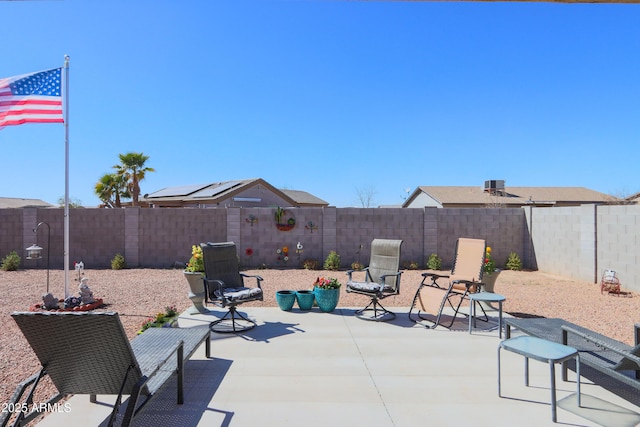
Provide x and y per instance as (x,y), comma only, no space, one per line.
(462,280)
(89,353)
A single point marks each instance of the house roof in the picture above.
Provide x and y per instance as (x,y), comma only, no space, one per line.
(217,192)
(302,198)
(17,202)
(512,196)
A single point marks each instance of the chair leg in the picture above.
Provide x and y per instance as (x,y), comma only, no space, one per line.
(376,308)
(413,305)
(446,299)
(239,323)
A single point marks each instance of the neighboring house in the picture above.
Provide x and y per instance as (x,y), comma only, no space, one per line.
(635,199)
(495,194)
(16,202)
(239,193)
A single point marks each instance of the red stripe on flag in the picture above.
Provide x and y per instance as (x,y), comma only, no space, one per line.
(23,121)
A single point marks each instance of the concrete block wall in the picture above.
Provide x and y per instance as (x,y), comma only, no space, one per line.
(13,233)
(358,226)
(95,236)
(618,243)
(555,234)
(167,235)
(259,234)
(578,242)
(581,242)
(502,228)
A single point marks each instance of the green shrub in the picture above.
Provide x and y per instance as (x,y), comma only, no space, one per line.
(11,262)
(434,262)
(311,264)
(117,263)
(410,265)
(357,265)
(513,262)
(332,262)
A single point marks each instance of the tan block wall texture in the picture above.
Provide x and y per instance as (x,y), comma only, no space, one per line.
(578,242)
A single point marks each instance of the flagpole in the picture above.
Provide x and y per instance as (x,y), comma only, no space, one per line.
(66,176)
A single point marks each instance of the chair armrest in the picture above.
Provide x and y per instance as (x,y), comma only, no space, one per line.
(600,343)
(218,284)
(130,412)
(351,272)
(255,276)
(434,277)
(398,275)
(467,283)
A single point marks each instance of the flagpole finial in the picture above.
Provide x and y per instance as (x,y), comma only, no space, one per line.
(66,60)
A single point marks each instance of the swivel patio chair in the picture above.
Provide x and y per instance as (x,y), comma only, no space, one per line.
(381,279)
(224,286)
(465,278)
(89,353)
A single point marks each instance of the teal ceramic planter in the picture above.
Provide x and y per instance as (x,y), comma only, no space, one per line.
(305,299)
(285,299)
(327,299)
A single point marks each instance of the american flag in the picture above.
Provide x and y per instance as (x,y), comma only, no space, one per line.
(31,98)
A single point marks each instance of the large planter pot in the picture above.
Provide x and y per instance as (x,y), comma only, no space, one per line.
(196,292)
(489,281)
(327,299)
(285,299)
(305,299)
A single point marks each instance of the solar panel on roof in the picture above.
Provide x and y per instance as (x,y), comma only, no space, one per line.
(183,190)
(214,191)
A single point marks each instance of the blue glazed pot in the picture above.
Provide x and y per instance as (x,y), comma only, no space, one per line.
(327,299)
(305,299)
(285,299)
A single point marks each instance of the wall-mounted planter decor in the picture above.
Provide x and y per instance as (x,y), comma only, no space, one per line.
(282,222)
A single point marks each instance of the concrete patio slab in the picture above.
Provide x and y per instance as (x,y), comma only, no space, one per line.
(318,369)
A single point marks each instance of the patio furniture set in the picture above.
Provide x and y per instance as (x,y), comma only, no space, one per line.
(142,366)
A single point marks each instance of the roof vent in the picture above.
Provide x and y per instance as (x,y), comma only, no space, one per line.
(494,186)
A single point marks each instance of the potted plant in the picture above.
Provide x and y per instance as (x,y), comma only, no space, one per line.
(327,292)
(194,273)
(166,319)
(490,272)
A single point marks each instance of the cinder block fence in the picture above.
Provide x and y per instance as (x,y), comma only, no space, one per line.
(577,242)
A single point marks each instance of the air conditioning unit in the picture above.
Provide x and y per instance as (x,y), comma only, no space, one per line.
(494,186)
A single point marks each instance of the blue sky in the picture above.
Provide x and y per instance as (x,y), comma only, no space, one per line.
(329,96)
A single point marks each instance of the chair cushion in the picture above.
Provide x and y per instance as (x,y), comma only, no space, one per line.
(364,286)
(370,287)
(236,294)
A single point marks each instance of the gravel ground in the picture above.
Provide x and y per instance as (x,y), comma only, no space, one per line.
(137,294)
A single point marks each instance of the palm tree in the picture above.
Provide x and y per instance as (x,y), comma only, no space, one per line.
(110,189)
(133,170)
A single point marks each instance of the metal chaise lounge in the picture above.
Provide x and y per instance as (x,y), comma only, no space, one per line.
(465,278)
(89,353)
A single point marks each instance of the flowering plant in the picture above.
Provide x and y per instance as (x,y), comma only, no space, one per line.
(196,263)
(160,320)
(326,283)
(283,254)
(489,265)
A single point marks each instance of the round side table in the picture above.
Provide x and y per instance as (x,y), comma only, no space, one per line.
(487,297)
